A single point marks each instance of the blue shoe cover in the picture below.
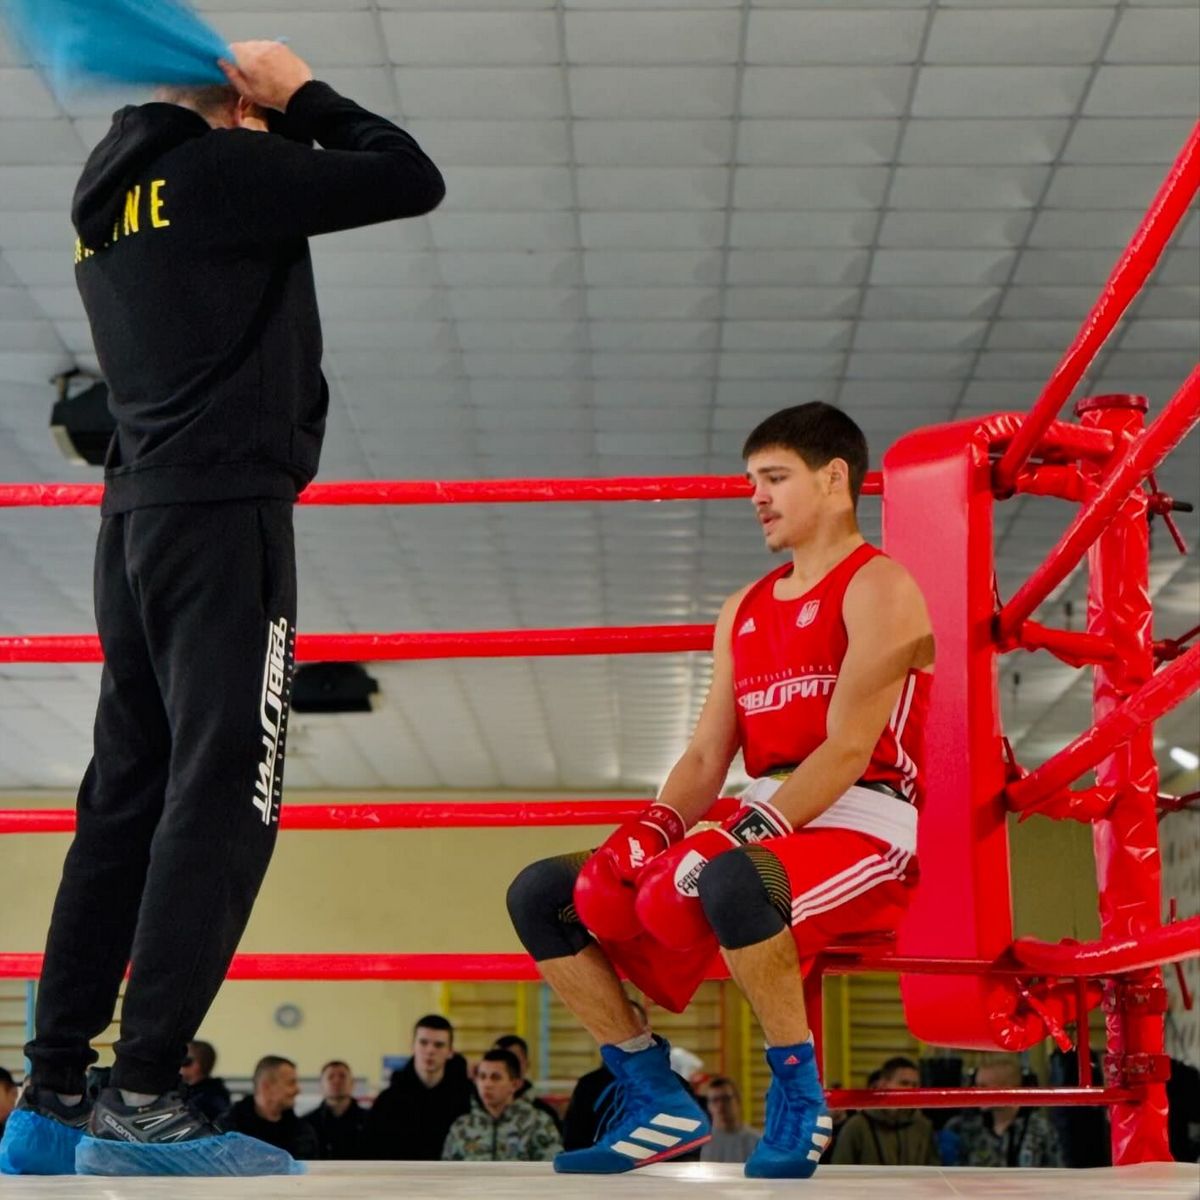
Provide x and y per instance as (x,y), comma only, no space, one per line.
(37,1145)
(798,1125)
(228,1154)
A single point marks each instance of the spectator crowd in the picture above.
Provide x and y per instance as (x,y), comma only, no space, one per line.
(437,1107)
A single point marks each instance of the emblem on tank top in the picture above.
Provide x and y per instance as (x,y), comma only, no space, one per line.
(748,626)
(808,614)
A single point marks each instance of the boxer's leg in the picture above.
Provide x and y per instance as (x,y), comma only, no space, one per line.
(542,909)
(653,1119)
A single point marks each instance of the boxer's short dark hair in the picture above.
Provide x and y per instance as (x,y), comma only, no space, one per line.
(818,433)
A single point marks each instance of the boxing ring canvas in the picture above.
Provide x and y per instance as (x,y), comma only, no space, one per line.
(696,1181)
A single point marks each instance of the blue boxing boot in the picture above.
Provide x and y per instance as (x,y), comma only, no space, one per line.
(652,1118)
(41,1134)
(798,1125)
(169,1137)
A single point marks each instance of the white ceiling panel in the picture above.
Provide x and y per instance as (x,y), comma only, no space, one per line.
(790,302)
(1144,92)
(792,188)
(665,303)
(787,37)
(1167,35)
(947,140)
(1048,35)
(494,93)
(638,189)
(1126,140)
(784,143)
(658,38)
(674,230)
(825,91)
(802,228)
(684,143)
(967,187)
(953,228)
(672,92)
(1008,91)
(464,142)
(665,219)
(456,39)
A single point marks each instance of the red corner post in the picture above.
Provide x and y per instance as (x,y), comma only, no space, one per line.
(1128,865)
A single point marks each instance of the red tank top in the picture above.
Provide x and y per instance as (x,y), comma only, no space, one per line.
(786,659)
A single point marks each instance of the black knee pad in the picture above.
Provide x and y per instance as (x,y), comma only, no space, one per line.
(541,905)
(746,896)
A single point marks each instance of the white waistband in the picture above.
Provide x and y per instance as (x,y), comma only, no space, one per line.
(881,816)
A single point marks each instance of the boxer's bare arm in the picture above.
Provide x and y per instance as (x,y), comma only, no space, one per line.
(695,781)
(889,631)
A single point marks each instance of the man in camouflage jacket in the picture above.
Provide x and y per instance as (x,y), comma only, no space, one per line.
(499,1127)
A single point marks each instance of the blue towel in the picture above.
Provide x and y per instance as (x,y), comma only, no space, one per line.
(90,43)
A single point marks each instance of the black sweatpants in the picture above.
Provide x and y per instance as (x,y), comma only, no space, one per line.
(179,807)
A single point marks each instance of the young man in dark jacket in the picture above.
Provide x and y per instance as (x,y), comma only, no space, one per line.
(193,263)
(339,1121)
(411,1117)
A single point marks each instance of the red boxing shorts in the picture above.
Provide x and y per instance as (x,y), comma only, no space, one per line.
(843,883)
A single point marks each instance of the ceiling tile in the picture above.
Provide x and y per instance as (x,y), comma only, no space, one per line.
(998,91)
(802,229)
(661,38)
(791,188)
(784,143)
(816,92)
(967,187)
(940,266)
(507,189)
(482,92)
(677,230)
(1019,36)
(492,143)
(650,143)
(648,189)
(1144,92)
(665,303)
(1166,35)
(796,36)
(23,95)
(654,92)
(953,229)
(978,142)
(457,39)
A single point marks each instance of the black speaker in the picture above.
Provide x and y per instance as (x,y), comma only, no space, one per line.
(332,688)
(81,423)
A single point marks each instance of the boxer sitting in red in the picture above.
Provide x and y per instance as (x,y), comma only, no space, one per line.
(821,675)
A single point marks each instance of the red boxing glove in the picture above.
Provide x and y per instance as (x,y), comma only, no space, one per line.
(604,889)
(668,895)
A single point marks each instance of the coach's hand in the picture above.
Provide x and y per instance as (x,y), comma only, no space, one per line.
(605,888)
(266,73)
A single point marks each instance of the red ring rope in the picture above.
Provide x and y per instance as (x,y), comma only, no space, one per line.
(464,491)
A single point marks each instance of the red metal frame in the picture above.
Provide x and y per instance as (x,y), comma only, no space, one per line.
(1132,269)
(1147,451)
(1135,712)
